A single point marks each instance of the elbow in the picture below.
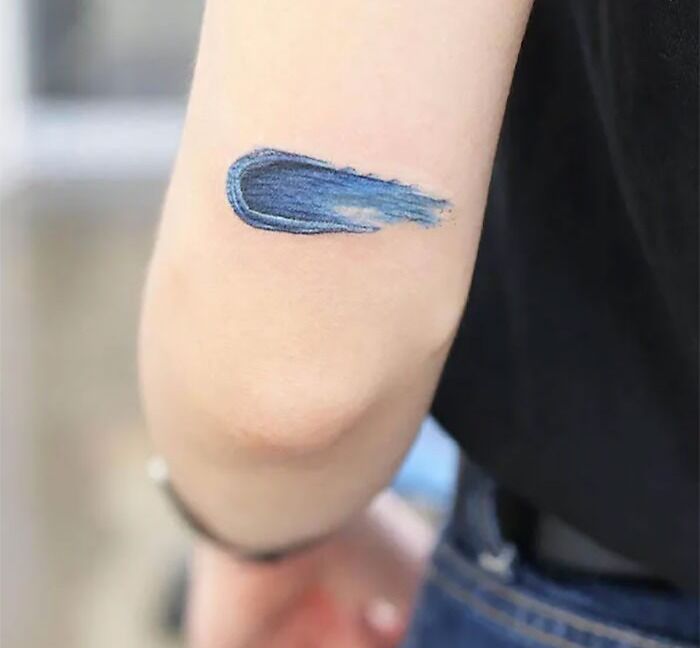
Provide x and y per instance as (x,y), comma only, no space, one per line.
(286,411)
(220,364)
(211,387)
(286,415)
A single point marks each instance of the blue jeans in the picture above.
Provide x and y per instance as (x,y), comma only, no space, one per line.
(480,594)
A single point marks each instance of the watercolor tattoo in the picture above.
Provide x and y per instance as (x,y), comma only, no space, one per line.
(286,192)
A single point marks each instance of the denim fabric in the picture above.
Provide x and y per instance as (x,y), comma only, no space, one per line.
(476,599)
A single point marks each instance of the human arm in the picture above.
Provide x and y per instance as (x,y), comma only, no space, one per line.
(356,590)
(285,375)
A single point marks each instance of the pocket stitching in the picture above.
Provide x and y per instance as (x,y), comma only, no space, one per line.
(499,617)
(546,610)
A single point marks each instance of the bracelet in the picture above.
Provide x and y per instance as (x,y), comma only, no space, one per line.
(158,472)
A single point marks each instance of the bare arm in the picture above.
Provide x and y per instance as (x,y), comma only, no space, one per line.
(286,374)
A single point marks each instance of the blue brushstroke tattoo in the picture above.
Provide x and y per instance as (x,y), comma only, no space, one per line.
(286,192)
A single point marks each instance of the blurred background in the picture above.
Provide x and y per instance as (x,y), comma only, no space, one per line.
(92,96)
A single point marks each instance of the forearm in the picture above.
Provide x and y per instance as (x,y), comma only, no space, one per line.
(285,375)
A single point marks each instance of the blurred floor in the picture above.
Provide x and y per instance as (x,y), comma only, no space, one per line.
(87,545)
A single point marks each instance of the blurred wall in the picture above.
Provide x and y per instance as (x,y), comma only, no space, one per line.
(13,90)
(91,100)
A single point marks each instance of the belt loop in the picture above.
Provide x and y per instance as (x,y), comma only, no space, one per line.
(476,520)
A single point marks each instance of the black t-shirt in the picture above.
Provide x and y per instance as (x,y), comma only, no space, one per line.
(573,378)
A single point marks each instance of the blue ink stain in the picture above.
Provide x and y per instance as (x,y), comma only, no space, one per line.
(286,192)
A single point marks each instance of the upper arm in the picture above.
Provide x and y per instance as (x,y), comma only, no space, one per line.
(402,89)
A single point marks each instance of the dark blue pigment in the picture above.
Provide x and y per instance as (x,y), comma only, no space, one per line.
(275,190)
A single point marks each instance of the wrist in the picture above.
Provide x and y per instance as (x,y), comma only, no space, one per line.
(157,470)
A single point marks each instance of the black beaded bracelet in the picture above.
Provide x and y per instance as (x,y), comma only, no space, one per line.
(157,470)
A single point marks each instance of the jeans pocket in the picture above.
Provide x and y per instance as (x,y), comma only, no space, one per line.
(464,605)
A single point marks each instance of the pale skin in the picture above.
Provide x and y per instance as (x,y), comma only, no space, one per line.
(285,376)
(353,591)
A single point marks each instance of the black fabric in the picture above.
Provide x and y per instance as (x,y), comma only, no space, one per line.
(573,379)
